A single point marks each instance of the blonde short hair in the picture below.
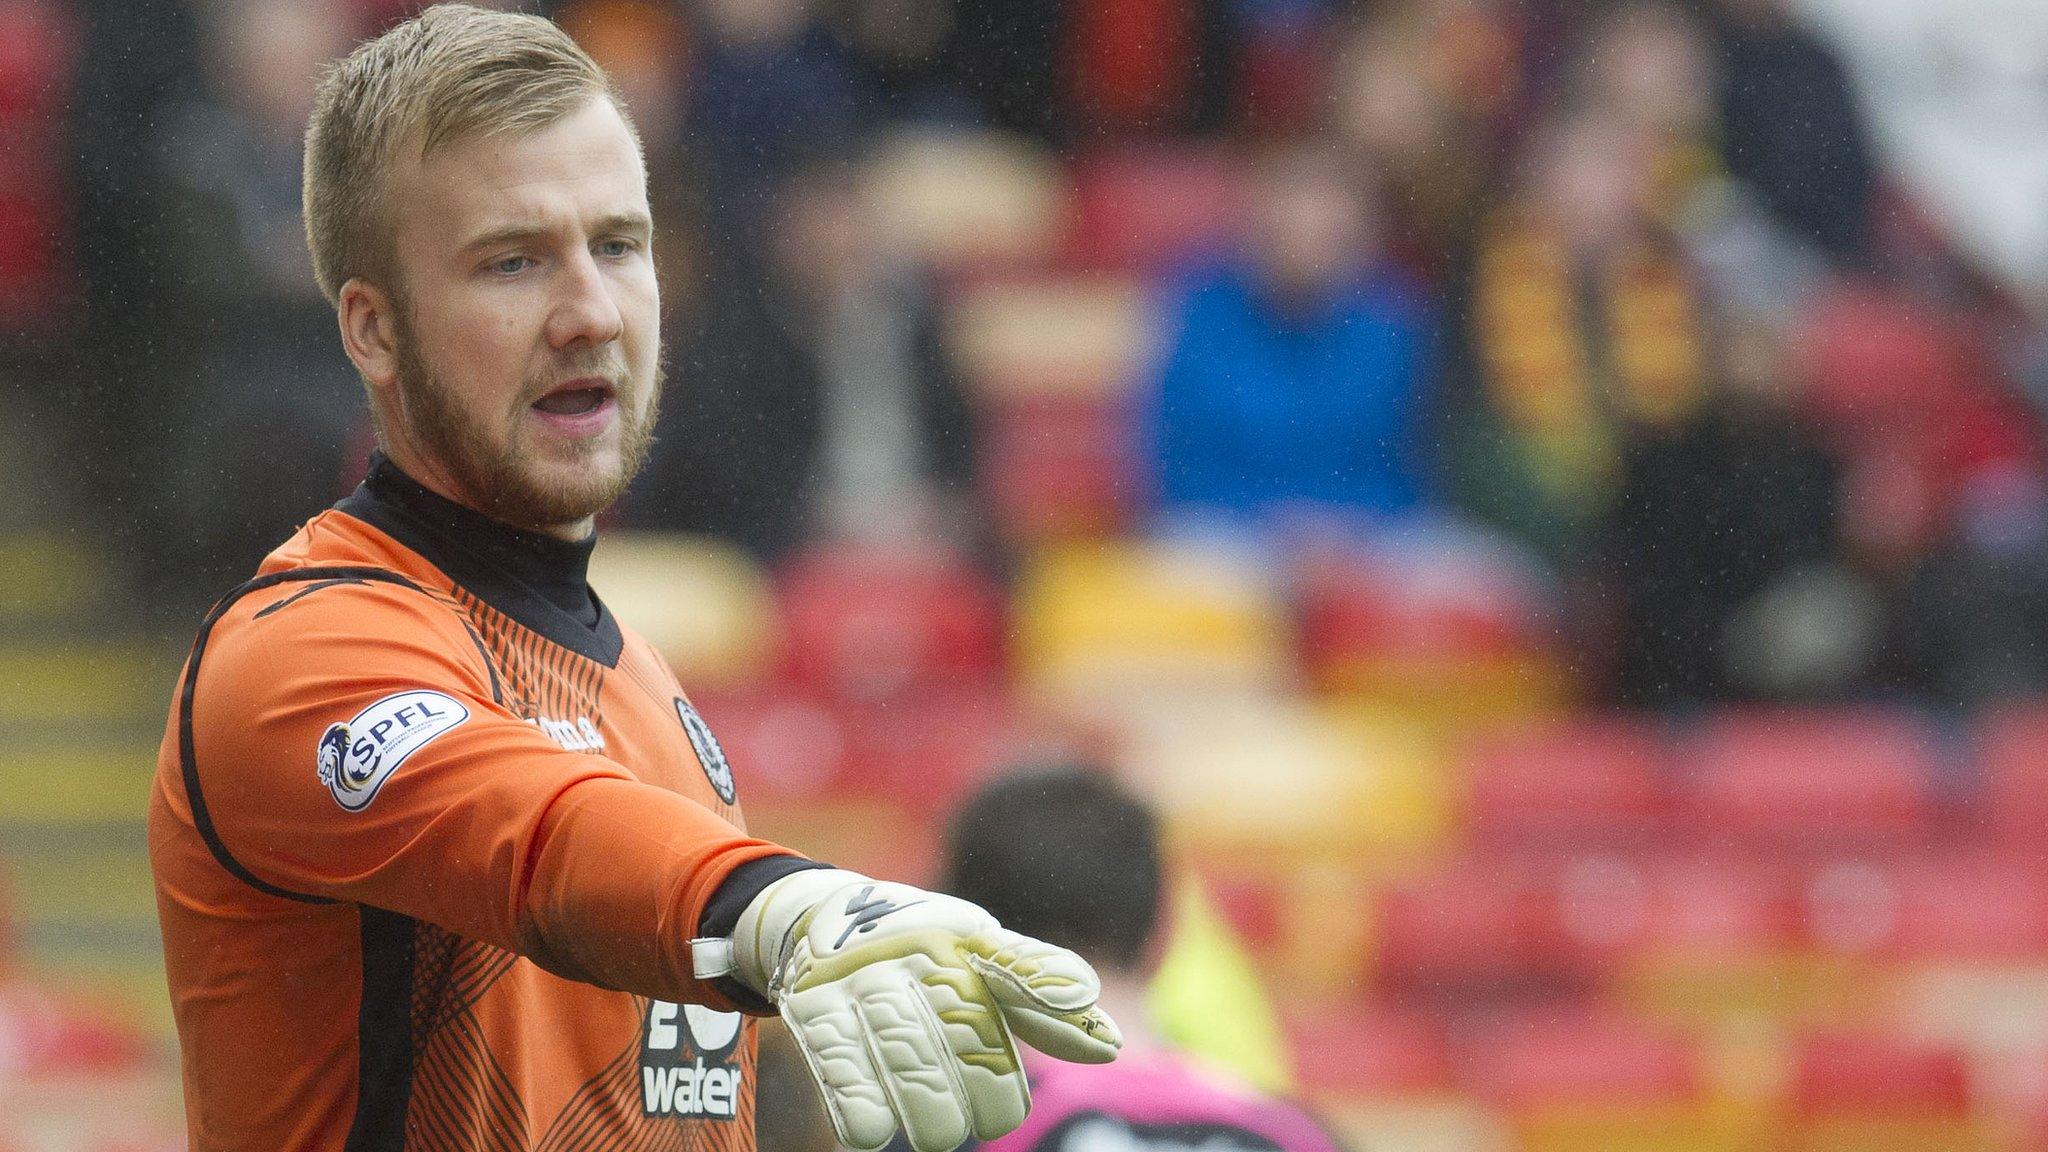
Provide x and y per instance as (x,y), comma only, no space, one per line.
(453,73)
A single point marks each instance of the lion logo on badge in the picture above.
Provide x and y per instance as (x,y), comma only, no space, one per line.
(333,754)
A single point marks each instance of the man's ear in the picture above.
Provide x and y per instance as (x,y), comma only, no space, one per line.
(369,331)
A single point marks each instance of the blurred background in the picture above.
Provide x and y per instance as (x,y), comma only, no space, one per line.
(1545,497)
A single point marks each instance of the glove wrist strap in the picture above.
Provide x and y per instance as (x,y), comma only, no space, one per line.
(711,957)
(765,931)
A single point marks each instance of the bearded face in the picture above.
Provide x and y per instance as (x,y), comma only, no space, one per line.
(492,455)
(514,359)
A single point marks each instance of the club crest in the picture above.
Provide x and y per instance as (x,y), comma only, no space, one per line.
(709,754)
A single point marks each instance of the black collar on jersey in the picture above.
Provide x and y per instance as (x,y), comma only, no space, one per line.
(539,581)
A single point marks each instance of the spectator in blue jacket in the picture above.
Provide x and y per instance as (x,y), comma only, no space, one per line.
(1296,371)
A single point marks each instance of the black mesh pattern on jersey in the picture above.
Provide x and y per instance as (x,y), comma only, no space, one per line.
(462,1098)
(604,1115)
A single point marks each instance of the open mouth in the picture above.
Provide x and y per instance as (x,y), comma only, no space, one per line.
(577,398)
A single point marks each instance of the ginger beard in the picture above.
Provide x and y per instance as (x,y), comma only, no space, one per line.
(498,473)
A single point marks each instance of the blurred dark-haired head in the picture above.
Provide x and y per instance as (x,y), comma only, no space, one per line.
(1063,854)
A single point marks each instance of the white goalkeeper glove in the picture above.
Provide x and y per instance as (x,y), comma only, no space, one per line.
(904,1003)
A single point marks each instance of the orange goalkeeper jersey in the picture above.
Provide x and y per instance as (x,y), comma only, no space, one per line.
(431,835)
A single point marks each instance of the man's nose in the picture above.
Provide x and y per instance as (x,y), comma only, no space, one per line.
(584,311)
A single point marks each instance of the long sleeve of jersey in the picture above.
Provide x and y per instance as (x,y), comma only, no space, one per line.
(351,743)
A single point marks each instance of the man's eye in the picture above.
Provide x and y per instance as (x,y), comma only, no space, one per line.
(510,265)
(616,249)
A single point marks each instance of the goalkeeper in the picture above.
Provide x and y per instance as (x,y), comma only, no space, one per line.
(444,857)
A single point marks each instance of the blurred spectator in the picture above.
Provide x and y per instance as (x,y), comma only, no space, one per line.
(274,423)
(1580,328)
(1792,127)
(772,89)
(135,58)
(1652,68)
(1152,66)
(899,47)
(1420,97)
(813,396)
(1005,58)
(1296,372)
(1066,855)
(646,47)
(1722,546)
(1074,75)
(1281,47)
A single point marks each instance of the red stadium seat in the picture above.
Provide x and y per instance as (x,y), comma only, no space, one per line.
(1547,1057)
(1442,629)
(1838,1073)
(1446,603)
(1687,907)
(1478,928)
(927,752)
(919,753)
(870,622)
(1597,903)
(785,747)
(1713,906)
(1810,778)
(809,772)
(37,42)
(1572,782)
(1974,906)
(2012,757)
(1960,905)
(1878,360)
(1144,209)
(1060,465)
(1368,1049)
(1125,64)
(38,39)
(1917,403)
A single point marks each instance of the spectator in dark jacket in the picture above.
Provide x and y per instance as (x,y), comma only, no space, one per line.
(814,395)
(274,425)
(1722,545)
(771,90)
(1792,127)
